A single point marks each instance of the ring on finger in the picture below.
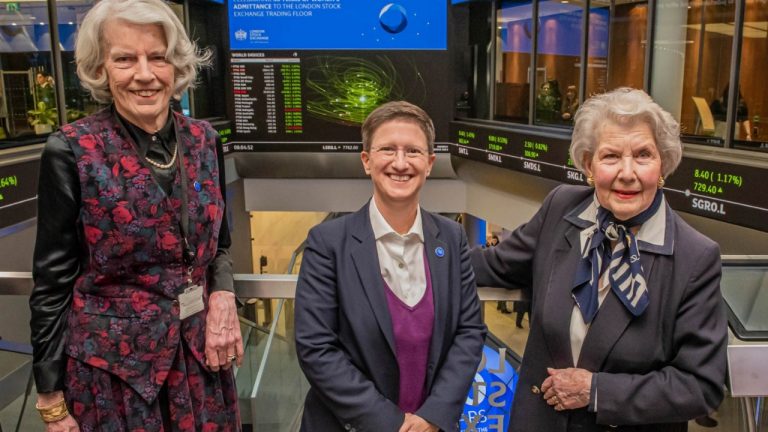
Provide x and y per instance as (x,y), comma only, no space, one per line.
(232,358)
(555,400)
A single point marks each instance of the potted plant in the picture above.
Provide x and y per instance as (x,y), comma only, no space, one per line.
(75,114)
(43,118)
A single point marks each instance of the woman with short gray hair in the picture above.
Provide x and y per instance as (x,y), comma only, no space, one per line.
(626,106)
(627,322)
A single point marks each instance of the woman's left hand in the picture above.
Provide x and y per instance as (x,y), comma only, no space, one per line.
(223,341)
(567,388)
(414,423)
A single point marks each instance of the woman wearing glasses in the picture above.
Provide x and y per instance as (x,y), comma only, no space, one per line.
(388,326)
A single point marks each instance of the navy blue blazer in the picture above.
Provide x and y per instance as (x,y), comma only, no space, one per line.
(344,337)
(654,372)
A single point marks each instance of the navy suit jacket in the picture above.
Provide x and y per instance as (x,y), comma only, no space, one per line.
(344,336)
(653,372)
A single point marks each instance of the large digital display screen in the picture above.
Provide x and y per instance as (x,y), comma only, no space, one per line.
(542,155)
(290,97)
(713,189)
(720,190)
(306,73)
(337,25)
(18,192)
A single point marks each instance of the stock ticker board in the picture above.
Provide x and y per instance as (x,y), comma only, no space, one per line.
(317,100)
(306,73)
(718,190)
(544,156)
(18,192)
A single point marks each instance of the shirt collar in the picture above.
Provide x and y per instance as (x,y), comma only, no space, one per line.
(142,138)
(381,227)
(653,235)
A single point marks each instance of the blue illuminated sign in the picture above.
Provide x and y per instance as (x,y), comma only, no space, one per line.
(337,25)
(490,398)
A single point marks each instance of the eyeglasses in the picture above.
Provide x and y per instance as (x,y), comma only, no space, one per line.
(411,153)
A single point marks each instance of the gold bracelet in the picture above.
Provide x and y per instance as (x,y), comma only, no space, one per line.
(53,413)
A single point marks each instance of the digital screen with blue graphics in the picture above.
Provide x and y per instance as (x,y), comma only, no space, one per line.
(337,25)
(490,398)
(317,100)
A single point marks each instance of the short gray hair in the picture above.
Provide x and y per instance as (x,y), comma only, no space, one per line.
(398,110)
(182,53)
(625,106)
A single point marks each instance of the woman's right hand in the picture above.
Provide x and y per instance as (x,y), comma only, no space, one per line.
(67,424)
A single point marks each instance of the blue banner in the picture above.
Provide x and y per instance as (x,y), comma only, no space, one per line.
(338,25)
(490,398)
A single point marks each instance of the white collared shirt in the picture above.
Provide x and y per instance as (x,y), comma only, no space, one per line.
(401,257)
(651,232)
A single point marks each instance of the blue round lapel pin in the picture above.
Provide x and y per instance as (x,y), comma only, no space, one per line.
(440,252)
(196,184)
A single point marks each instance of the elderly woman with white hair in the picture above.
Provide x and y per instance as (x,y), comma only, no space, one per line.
(627,324)
(134,320)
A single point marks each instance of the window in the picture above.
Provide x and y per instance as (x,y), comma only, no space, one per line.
(27,95)
(751,129)
(29,83)
(691,65)
(513,61)
(78,101)
(558,61)
(617,36)
(617,39)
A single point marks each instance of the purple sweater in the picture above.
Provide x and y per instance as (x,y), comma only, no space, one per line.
(412,328)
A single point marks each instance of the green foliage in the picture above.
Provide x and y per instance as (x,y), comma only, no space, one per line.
(43,115)
(75,114)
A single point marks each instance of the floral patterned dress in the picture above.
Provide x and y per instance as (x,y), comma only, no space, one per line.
(131,364)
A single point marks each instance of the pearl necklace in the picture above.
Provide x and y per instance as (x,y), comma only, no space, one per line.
(167,165)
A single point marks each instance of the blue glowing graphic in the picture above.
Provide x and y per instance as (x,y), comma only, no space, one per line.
(393,18)
(490,398)
(338,25)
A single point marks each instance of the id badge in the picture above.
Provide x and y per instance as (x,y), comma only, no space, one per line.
(191,301)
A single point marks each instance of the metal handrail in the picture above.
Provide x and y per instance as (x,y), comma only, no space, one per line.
(247,286)
(300,249)
(15,283)
(294,256)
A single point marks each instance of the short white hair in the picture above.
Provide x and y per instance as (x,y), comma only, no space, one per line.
(625,106)
(182,53)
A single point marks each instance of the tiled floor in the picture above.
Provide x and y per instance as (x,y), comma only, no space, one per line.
(29,423)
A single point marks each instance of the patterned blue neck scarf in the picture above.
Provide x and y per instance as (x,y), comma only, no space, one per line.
(625,273)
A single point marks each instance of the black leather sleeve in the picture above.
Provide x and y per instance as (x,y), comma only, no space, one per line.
(221,267)
(56,261)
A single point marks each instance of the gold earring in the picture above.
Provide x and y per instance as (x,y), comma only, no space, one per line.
(661,182)
(590,181)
